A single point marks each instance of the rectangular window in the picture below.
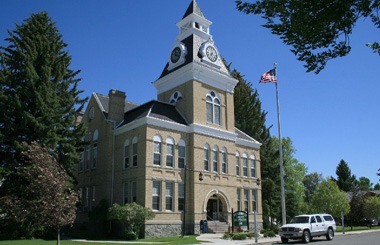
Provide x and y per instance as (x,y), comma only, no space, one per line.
(156,195)
(134,191)
(93,194)
(169,196)
(224,162)
(126,156)
(238,198)
(125,193)
(215,161)
(88,157)
(254,200)
(87,197)
(237,165)
(134,154)
(217,114)
(81,161)
(181,197)
(157,153)
(169,155)
(245,167)
(246,200)
(206,159)
(94,155)
(253,168)
(181,156)
(209,112)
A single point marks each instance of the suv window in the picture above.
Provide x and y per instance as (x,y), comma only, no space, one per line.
(312,220)
(319,219)
(328,218)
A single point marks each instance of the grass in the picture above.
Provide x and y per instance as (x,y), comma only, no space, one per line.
(164,240)
(356,228)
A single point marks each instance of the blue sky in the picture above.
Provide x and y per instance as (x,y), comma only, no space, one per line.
(125,45)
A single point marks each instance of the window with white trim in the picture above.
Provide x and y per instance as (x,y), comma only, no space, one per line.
(81,161)
(181,154)
(213,108)
(224,161)
(156,195)
(169,152)
(94,155)
(245,165)
(169,196)
(254,200)
(88,157)
(134,152)
(157,149)
(181,196)
(246,200)
(237,157)
(134,191)
(253,166)
(206,156)
(126,154)
(215,159)
(238,198)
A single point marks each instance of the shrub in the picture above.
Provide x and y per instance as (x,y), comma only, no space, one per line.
(227,236)
(239,236)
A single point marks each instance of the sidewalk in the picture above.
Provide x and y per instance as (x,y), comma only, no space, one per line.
(218,239)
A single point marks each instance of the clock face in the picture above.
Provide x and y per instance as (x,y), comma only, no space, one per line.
(176,54)
(211,53)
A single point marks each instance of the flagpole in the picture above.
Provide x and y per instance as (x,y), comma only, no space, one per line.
(283,207)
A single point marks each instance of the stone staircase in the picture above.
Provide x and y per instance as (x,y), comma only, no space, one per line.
(217,227)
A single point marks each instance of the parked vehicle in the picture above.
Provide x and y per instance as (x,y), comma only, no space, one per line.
(307,226)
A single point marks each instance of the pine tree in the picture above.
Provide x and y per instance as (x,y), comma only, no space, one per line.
(39,96)
(251,119)
(345,181)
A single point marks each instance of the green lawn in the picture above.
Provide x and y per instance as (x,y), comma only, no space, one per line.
(165,240)
(356,228)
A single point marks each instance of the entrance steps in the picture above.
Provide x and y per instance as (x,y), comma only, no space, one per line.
(217,227)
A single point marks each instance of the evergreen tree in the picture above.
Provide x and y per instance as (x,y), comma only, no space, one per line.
(39,96)
(311,182)
(251,119)
(364,184)
(346,182)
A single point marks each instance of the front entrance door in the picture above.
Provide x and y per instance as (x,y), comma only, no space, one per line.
(214,209)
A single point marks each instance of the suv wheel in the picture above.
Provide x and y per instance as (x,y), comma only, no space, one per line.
(306,237)
(330,234)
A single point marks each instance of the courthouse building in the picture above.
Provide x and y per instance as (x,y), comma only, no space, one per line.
(180,155)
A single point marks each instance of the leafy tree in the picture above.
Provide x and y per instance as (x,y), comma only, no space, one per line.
(251,119)
(345,180)
(42,197)
(364,184)
(371,208)
(39,96)
(317,31)
(311,183)
(132,215)
(294,174)
(376,187)
(328,198)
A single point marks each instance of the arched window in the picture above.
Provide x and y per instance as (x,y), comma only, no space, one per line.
(224,161)
(237,157)
(134,151)
(126,154)
(245,165)
(157,149)
(169,152)
(213,108)
(181,154)
(206,164)
(253,166)
(215,159)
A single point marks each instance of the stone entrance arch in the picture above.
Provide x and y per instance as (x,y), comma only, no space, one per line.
(216,206)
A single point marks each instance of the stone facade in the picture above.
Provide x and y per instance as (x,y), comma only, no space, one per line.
(181,155)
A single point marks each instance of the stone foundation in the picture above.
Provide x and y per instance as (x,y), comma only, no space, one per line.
(162,230)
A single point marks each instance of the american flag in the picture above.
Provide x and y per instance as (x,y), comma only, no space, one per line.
(269,76)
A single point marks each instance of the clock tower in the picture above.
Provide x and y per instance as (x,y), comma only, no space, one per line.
(195,77)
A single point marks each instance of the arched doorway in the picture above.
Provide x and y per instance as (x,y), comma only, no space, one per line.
(216,208)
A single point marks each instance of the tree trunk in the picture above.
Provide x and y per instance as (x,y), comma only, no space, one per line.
(59,237)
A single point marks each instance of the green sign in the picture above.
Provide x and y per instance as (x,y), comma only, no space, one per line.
(240,218)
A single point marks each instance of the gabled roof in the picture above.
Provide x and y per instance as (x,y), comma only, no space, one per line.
(154,109)
(193,8)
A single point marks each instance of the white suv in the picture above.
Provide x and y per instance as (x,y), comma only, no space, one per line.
(307,226)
